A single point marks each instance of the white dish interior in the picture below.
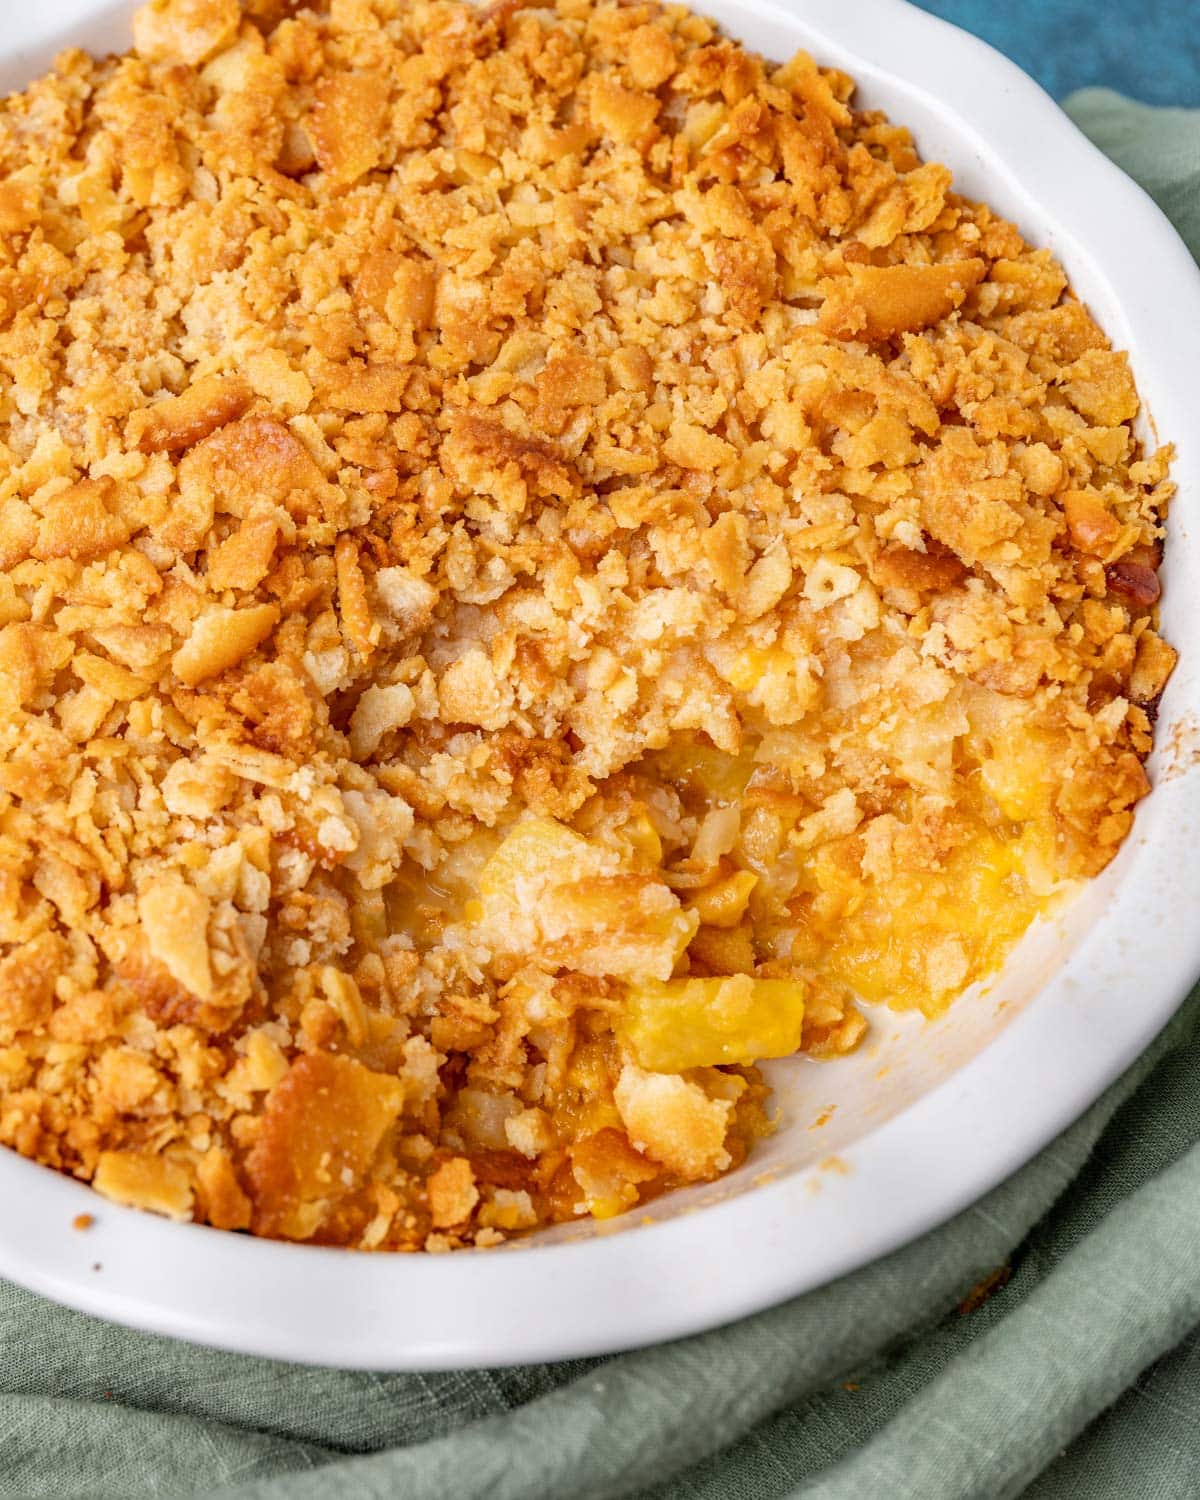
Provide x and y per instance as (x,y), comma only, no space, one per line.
(926,1116)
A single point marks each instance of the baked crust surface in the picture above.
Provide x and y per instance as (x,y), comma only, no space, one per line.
(543,560)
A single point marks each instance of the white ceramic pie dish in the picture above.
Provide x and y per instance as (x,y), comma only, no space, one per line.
(926,1117)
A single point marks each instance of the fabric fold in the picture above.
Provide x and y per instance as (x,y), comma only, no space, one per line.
(992,1421)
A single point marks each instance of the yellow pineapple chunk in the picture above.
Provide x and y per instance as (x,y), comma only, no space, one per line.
(705,769)
(537,852)
(920,938)
(696,1023)
(1019,775)
(637,842)
(724,904)
(551,896)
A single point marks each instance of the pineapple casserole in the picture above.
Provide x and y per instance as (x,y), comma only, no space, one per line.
(544,560)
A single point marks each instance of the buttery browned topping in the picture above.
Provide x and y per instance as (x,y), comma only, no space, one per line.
(540,557)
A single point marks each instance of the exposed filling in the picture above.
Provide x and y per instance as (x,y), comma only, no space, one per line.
(543,560)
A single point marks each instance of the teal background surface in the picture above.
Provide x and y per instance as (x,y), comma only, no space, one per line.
(1149,51)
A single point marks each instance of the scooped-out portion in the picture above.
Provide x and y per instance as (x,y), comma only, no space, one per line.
(544,560)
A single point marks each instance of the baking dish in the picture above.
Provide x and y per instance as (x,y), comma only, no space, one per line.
(925,1117)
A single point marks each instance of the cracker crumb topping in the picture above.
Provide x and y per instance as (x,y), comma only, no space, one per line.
(544,559)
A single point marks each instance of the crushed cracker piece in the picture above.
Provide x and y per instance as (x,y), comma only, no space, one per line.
(181,421)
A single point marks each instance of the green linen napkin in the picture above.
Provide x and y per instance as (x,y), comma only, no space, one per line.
(1078,1376)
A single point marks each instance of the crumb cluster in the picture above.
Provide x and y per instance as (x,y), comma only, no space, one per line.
(543,558)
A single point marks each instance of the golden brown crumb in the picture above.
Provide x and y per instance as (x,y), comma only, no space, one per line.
(543,558)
